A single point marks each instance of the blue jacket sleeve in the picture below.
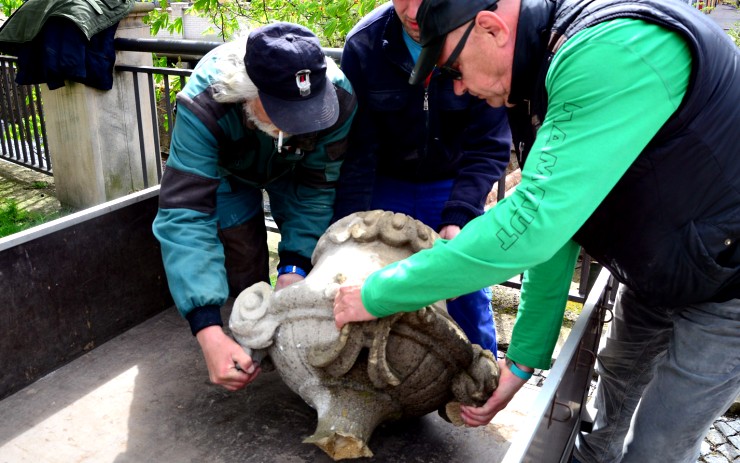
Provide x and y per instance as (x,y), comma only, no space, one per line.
(486,153)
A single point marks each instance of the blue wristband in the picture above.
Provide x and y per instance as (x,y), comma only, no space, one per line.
(291,269)
(518,372)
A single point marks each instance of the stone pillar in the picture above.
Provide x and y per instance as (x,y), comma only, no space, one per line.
(93,135)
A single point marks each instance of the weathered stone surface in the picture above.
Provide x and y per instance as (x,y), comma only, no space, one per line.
(724,428)
(729,451)
(715,458)
(408,364)
(715,437)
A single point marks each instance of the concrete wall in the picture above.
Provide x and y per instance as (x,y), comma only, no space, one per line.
(94,134)
(74,283)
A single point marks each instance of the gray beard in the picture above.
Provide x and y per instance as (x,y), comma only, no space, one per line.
(269,129)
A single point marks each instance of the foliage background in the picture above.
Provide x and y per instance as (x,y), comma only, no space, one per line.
(330,20)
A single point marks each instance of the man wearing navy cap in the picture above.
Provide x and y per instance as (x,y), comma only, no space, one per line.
(273,118)
(626,115)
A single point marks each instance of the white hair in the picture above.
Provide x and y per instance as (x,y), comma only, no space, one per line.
(233,84)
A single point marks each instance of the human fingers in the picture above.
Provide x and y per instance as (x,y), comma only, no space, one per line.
(287,279)
(348,306)
(509,385)
(449,231)
(341,306)
(238,379)
(340,317)
(478,416)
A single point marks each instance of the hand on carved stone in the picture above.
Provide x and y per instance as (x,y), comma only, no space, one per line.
(449,231)
(228,365)
(508,385)
(287,279)
(348,306)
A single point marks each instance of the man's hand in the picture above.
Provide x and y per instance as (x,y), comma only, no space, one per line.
(228,364)
(508,385)
(348,306)
(449,231)
(287,279)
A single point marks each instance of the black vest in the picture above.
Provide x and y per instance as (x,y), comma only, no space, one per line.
(670,228)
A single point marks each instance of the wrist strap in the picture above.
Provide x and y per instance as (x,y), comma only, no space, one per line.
(525,375)
(291,269)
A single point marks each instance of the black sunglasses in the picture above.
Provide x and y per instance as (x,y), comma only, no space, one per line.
(446,69)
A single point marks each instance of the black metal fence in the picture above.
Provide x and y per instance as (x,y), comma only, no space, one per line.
(159,89)
(22,127)
(162,81)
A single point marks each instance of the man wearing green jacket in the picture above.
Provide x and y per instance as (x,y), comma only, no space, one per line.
(625,112)
(275,118)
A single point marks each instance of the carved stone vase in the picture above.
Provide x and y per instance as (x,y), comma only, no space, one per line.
(408,364)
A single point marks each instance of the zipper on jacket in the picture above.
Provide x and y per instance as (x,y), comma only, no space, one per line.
(426,111)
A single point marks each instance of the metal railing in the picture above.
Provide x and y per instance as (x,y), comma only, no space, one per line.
(555,417)
(165,114)
(22,127)
(188,51)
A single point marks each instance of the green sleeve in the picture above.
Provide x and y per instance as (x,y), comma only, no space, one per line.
(541,308)
(610,89)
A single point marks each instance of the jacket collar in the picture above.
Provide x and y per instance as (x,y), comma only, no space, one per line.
(393,45)
(535,20)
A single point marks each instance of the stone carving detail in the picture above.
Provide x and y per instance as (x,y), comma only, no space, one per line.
(408,364)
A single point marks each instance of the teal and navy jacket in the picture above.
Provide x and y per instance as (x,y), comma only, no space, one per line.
(213,143)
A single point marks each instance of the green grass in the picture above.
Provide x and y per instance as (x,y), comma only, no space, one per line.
(39,185)
(14,219)
(734,33)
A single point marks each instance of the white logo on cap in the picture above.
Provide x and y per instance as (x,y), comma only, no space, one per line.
(303,82)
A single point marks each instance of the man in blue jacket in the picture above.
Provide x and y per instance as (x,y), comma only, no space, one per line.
(420,150)
(276,118)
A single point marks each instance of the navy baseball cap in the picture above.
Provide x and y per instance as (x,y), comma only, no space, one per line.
(286,63)
(436,19)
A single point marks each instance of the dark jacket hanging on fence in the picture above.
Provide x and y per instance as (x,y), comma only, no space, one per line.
(64,40)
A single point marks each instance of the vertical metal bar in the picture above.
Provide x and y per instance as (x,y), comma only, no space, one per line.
(155,126)
(47,156)
(10,124)
(14,129)
(26,121)
(585,272)
(35,101)
(137,100)
(168,106)
(7,113)
(4,63)
(17,129)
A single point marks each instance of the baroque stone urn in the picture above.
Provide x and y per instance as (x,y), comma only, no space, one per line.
(408,364)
